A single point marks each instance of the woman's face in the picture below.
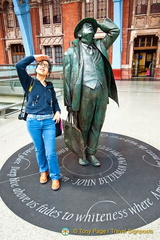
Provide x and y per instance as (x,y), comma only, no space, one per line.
(43,68)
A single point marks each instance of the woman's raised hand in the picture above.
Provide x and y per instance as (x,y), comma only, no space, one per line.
(41,57)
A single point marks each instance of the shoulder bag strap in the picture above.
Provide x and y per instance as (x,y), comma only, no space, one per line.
(26,95)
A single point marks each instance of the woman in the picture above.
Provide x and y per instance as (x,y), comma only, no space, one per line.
(43,113)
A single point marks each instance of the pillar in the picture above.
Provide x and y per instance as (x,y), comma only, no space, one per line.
(3,59)
(127,45)
(116,60)
(22,10)
(35,20)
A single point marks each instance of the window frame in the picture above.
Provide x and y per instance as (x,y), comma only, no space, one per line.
(143,7)
(138,42)
(46,12)
(60,54)
(153,6)
(56,8)
(92,8)
(17,52)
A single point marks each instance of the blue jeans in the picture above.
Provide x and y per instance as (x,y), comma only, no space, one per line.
(43,135)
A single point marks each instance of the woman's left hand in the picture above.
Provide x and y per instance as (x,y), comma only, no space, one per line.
(57,117)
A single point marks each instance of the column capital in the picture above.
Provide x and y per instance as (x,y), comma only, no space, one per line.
(21,7)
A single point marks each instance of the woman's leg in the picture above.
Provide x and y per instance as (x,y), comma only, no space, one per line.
(50,148)
(35,130)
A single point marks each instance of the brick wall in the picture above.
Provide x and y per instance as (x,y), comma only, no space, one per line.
(71,14)
(3,60)
(125,33)
(126,73)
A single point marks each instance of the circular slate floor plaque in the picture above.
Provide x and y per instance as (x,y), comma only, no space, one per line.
(120,195)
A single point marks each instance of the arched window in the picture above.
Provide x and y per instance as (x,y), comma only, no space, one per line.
(9,14)
(45,12)
(56,11)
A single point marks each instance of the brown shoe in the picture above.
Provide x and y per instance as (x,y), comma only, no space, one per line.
(55,184)
(43,177)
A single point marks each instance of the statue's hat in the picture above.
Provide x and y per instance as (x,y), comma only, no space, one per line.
(80,24)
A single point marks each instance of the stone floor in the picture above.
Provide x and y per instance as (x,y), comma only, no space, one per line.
(137,117)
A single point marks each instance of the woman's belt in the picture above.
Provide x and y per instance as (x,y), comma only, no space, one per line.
(40,117)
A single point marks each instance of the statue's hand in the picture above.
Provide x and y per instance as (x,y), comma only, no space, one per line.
(101,26)
(69,109)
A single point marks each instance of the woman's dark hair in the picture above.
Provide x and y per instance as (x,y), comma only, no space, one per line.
(49,64)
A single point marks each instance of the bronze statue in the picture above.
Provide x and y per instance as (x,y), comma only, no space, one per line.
(89,81)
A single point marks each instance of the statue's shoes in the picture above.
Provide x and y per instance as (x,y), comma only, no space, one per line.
(93,160)
(83,162)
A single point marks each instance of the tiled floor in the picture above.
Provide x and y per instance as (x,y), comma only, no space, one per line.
(138,117)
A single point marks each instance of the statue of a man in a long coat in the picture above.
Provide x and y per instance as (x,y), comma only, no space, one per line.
(89,81)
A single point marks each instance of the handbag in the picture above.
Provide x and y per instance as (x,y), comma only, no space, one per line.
(59,124)
(73,136)
(23,114)
(59,128)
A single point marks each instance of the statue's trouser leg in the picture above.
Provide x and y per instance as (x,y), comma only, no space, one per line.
(91,116)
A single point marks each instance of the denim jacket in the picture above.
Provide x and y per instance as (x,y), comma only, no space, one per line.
(41,100)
